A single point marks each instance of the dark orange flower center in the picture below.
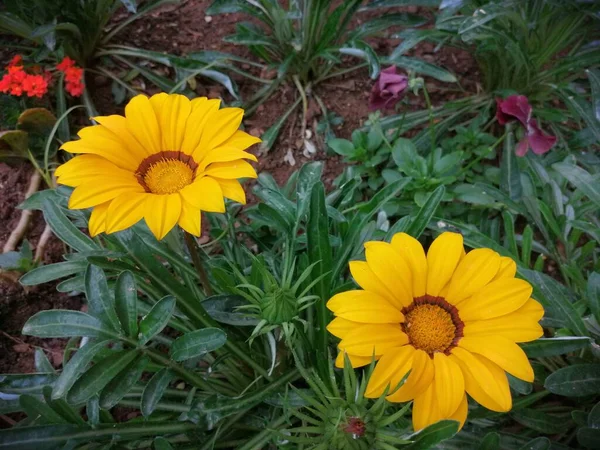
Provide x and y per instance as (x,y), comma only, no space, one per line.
(166,172)
(432,324)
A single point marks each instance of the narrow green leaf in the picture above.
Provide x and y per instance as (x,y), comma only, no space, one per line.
(555,296)
(126,303)
(59,323)
(100,299)
(491,441)
(51,272)
(433,435)
(540,443)
(420,222)
(122,383)
(421,67)
(593,294)
(157,318)
(96,378)
(160,443)
(577,380)
(154,391)
(581,179)
(34,408)
(75,367)
(63,228)
(309,175)
(197,343)
(589,437)
(42,364)
(510,177)
(555,346)
(540,421)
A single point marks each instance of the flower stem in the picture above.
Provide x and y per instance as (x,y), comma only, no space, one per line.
(195,254)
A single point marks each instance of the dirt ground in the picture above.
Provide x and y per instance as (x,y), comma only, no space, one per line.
(180,29)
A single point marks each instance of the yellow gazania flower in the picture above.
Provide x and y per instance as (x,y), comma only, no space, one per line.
(452,319)
(167,160)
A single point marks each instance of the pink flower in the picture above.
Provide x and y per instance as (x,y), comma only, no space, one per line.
(518,107)
(388,90)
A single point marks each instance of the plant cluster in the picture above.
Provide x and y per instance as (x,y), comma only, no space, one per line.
(444,292)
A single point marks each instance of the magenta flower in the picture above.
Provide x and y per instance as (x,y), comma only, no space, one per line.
(388,90)
(518,107)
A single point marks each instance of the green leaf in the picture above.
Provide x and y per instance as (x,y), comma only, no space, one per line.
(594,417)
(539,443)
(30,383)
(131,5)
(433,435)
(75,367)
(361,49)
(47,437)
(223,308)
(154,391)
(581,179)
(510,177)
(122,383)
(589,437)
(421,67)
(593,294)
(309,175)
(540,421)
(14,144)
(554,296)
(270,136)
(59,323)
(63,228)
(491,441)
(126,303)
(51,272)
(555,346)
(160,443)
(420,222)
(100,299)
(157,318)
(594,77)
(197,343)
(34,408)
(575,381)
(36,120)
(342,147)
(95,379)
(42,364)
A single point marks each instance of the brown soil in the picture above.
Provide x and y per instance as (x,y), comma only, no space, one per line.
(180,29)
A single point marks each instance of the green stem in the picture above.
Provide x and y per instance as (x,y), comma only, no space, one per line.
(195,254)
(431,118)
(483,155)
(340,72)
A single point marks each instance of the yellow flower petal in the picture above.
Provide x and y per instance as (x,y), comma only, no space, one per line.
(224,154)
(508,355)
(473,272)
(230,170)
(391,269)
(364,307)
(125,211)
(173,119)
(449,384)
(518,326)
(442,258)
(223,125)
(97,222)
(508,268)
(414,255)
(484,380)
(82,168)
(98,140)
(389,371)
(460,415)
(162,213)
(100,190)
(143,124)
(366,279)
(355,361)
(233,190)
(498,298)
(205,194)
(241,140)
(190,219)
(202,111)
(340,327)
(426,410)
(421,376)
(373,339)
(118,125)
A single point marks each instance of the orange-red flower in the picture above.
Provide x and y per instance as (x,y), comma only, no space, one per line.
(65,64)
(73,76)
(35,85)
